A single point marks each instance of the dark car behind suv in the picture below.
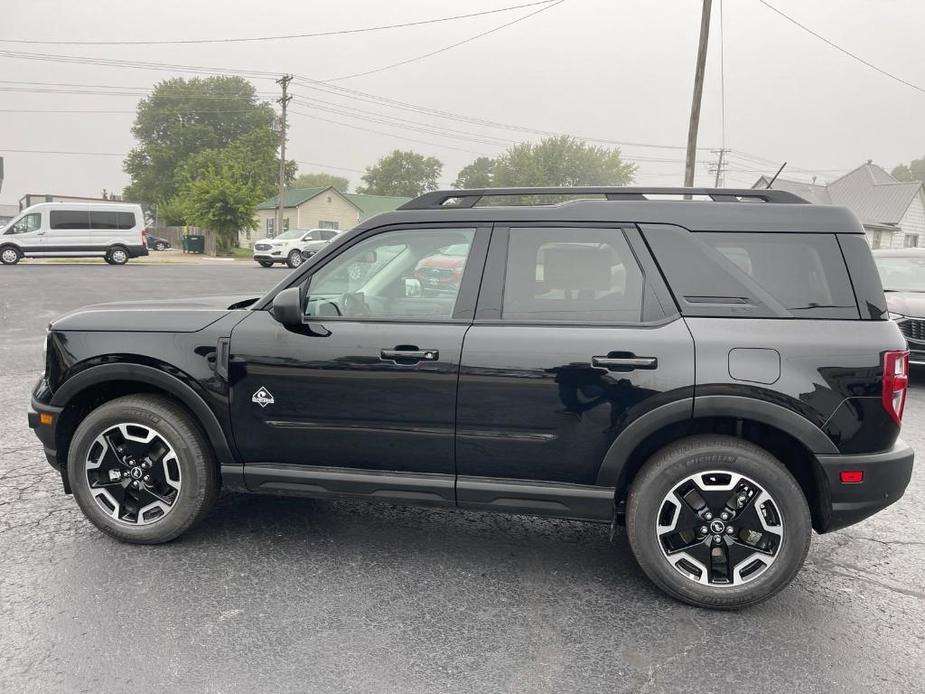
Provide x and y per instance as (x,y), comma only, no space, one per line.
(716,372)
(902,272)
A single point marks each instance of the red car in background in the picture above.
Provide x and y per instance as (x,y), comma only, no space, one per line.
(443,271)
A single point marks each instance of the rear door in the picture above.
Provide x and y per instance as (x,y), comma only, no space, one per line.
(573,340)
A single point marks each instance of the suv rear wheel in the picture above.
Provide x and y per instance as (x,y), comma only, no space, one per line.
(141,470)
(717,522)
(265,263)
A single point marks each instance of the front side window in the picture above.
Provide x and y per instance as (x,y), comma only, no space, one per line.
(27,223)
(70,219)
(396,275)
(572,274)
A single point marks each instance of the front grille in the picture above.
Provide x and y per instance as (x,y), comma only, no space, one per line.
(262,246)
(913,329)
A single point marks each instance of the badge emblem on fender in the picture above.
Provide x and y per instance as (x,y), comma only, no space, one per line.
(263,397)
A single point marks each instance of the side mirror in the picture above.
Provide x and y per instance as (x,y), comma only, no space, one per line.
(413,287)
(287,307)
(306,254)
(369,258)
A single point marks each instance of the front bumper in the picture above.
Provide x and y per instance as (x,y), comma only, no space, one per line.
(43,419)
(272,257)
(886,476)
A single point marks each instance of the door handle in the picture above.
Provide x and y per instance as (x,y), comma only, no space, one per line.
(625,363)
(409,355)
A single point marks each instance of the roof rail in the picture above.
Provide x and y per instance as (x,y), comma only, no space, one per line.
(456,199)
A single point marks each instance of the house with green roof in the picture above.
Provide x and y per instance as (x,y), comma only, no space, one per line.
(322,207)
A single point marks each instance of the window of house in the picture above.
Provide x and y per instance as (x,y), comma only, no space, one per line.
(328,225)
(571,275)
(911,241)
(271,225)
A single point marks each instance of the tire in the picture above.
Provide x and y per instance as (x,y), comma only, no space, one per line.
(265,263)
(652,523)
(160,246)
(10,255)
(190,493)
(294,259)
(117,255)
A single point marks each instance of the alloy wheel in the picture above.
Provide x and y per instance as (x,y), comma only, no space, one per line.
(133,474)
(9,256)
(719,528)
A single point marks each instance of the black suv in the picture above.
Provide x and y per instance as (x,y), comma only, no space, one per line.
(715,370)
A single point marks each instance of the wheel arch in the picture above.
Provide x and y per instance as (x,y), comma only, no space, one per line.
(97,385)
(785,434)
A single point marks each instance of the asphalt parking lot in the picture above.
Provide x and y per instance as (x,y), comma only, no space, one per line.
(273,594)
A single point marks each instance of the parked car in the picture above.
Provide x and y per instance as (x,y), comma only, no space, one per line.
(443,271)
(288,246)
(112,231)
(558,378)
(156,243)
(902,272)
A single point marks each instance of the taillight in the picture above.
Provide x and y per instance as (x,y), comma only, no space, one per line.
(895,383)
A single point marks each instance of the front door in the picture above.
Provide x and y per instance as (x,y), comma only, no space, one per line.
(368,381)
(27,232)
(569,346)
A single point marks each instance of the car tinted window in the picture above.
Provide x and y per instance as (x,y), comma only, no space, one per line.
(754,275)
(571,274)
(70,219)
(399,275)
(103,220)
(125,220)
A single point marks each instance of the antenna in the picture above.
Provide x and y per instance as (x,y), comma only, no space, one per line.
(774,178)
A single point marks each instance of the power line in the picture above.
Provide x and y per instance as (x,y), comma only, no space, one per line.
(318,34)
(48,151)
(840,49)
(446,48)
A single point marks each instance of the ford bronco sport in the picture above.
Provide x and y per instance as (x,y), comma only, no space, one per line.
(715,370)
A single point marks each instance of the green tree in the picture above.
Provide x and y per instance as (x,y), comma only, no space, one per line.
(182,118)
(218,202)
(318,180)
(171,212)
(561,161)
(402,173)
(478,174)
(914,171)
(249,160)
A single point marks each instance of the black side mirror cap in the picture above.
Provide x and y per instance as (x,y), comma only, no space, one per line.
(287,307)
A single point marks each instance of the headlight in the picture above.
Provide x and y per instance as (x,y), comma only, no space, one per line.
(897,316)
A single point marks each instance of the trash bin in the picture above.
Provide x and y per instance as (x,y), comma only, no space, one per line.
(194,243)
(184,245)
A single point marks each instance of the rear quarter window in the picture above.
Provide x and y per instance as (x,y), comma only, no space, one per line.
(755,275)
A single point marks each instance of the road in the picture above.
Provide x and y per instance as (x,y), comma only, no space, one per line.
(273,594)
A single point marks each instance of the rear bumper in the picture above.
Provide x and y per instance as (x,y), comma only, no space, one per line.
(886,476)
(137,251)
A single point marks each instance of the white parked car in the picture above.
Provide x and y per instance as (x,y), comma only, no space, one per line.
(113,231)
(288,246)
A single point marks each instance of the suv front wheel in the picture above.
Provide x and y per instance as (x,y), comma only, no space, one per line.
(717,522)
(141,470)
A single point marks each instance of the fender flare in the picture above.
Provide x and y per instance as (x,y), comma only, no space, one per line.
(613,471)
(140,373)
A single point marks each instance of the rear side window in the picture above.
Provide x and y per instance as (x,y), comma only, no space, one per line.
(103,220)
(70,219)
(125,220)
(572,274)
(760,275)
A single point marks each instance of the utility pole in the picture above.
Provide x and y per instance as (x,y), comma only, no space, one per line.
(284,102)
(719,168)
(698,93)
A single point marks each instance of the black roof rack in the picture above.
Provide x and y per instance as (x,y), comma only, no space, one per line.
(455,199)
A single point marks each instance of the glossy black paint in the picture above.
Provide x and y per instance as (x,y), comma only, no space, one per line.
(509,416)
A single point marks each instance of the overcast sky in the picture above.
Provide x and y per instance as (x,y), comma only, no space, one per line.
(610,69)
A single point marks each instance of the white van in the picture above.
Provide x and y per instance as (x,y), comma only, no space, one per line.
(113,231)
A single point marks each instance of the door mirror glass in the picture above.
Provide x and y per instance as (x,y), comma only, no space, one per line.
(413,287)
(287,307)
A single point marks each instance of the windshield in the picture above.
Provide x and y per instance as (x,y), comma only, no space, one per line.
(902,273)
(291,234)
